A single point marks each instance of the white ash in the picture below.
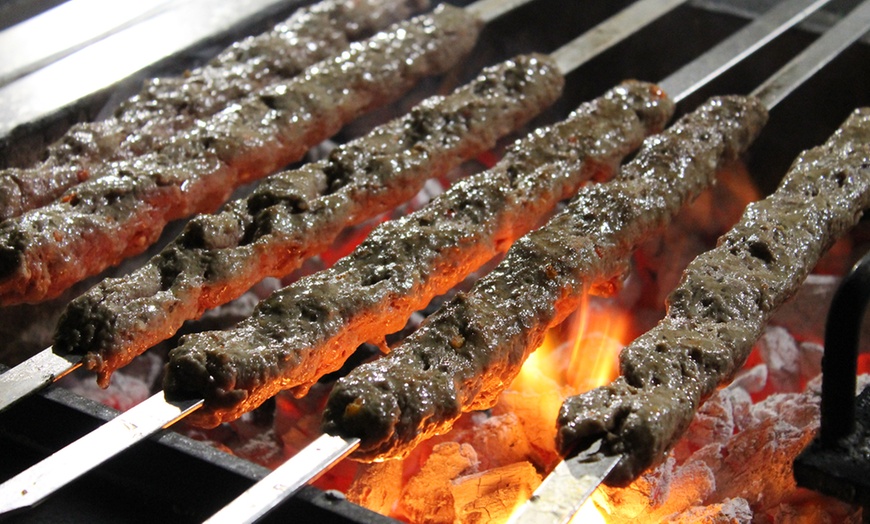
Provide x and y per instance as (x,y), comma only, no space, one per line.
(730,511)
(126,390)
(804,316)
(751,380)
(781,353)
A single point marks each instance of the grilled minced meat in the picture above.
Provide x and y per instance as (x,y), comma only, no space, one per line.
(166,106)
(310,328)
(721,306)
(296,214)
(467,352)
(100,222)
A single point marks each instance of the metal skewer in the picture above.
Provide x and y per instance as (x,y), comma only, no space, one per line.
(99,65)
(289,477)
(73,25)
(46,366)
(562,493)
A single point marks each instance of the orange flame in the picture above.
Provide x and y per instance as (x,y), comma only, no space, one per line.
(600,334)
(597,334)
(589,513)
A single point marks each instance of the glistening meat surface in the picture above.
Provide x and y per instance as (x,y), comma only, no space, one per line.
(296,214)
(310,328)
(166,106)
(721,306)
(467,352)
(100,222)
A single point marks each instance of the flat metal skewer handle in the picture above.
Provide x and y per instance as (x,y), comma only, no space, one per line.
(610,32)
(738,46)
(33,374)
(563,492)
(304,467)
(828,46)
(39,481)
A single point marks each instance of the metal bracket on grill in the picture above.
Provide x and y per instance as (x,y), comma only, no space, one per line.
(837,461)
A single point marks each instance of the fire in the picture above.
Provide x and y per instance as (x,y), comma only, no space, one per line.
(601,334)
(589,513)
(596,335)
(590,343)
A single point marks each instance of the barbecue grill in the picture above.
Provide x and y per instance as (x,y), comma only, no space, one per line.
(180,479)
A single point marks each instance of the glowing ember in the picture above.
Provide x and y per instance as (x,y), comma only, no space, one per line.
(590,513)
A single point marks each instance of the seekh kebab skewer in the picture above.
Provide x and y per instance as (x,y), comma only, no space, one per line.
(166,106)
(297,214)
(100,222)
(467,352)
(721,306)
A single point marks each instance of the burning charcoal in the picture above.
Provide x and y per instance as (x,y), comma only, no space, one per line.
(812,509)
(427,497)
(123,392)
(752,380)
(492,495)
(538,421)
(805,314)
(723,477)
(264,448)
(784,424)
(377,485)
(668,489)
(780,352)
(499,440)
(810,359)
(714,423)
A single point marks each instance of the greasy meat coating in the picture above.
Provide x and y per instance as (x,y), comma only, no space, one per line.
(100,222)
(296,214)
(721,306)
(166,106)
(467,352)
(310,327)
